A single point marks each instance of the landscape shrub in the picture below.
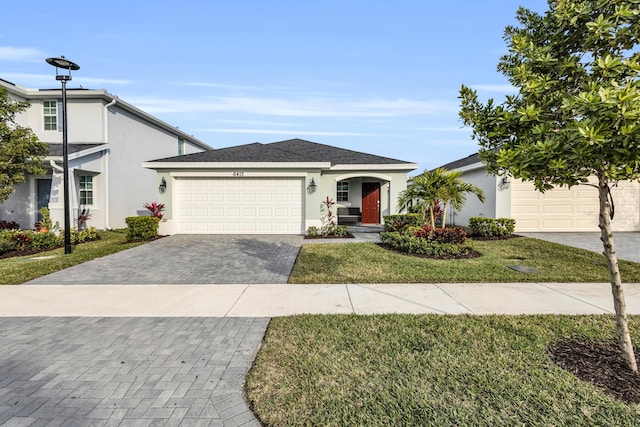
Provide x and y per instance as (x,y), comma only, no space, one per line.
(334,231)
(22,239)
(86,235)
(7,246)
(47,240)
(8,225)
(491,227)
(313,231)
(421,246)
(453,235)
(141,227)
(398,222)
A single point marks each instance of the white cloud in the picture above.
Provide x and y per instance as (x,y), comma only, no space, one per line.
(10,53)
(284,132)
(309,107)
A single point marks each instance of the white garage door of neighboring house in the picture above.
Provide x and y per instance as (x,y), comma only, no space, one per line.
(239,206)
(574,209)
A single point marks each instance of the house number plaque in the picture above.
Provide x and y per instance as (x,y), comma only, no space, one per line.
(238,173)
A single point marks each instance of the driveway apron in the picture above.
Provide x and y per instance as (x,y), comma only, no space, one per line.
(190,259)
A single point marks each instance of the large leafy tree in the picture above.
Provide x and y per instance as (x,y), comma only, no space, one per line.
(577,111)
(20,150)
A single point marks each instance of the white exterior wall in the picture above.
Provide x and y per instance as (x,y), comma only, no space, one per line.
(473,206)
(121,184)
(137,142)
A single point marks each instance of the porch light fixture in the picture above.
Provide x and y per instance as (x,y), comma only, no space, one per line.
(64,64)
(163,186)
(504,183)
(311,188)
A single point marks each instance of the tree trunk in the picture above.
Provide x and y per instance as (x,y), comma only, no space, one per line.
(622,321)
(444,215)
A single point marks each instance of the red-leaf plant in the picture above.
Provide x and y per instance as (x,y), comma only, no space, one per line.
(155,209)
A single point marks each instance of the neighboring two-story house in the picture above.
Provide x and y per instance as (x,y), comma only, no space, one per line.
(108,140)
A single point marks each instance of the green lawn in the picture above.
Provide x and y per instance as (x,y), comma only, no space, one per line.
(21,269)
(369,263)
(428,370)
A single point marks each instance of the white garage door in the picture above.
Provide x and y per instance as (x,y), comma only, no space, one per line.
(574,209)
(239,206)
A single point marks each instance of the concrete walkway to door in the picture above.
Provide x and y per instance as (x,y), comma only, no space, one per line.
(189,259)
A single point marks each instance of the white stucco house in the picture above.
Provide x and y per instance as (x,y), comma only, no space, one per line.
(274,188)
(558,210)
(108,139)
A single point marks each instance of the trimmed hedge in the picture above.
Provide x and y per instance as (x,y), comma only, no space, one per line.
(421,246)
(142,227)
(454,235)
(491,227)
(398,222)
(23,240)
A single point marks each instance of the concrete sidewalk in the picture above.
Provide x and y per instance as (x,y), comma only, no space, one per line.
(283,300)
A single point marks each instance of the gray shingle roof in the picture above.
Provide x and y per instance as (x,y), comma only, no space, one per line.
(55,150)
(292,150)
(456,164)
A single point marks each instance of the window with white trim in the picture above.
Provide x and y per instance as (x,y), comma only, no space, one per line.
(50,115)
(342,191)
(181,147)
(85,185)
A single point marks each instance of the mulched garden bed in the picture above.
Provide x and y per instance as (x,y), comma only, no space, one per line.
(25,252)
(472,254)
(601,364)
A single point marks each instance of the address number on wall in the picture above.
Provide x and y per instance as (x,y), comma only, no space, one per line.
(238,173)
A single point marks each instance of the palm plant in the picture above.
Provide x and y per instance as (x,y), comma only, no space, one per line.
(455,191)
(429,188)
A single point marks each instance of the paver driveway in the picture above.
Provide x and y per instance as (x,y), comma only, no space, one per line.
(126,371)
(190,259)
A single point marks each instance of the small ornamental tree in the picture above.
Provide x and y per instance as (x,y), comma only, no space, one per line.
(576,114)
(20,150)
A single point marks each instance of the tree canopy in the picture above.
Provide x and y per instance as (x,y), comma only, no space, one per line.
(20,150)
(577,110)
(576,113)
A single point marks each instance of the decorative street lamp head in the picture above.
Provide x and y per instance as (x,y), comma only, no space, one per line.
(65,64)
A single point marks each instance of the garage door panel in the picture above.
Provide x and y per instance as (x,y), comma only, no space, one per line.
(240,206)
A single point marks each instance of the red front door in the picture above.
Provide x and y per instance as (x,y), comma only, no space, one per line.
(370,203)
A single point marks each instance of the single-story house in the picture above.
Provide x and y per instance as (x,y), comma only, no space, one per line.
(108,139)
(560,209)
(274,188)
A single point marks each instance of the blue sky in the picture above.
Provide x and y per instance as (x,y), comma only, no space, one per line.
(368,75)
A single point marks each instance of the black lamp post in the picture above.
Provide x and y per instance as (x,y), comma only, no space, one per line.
(65,64)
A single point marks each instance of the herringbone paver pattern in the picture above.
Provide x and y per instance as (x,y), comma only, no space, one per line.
(126,371)
(189,259)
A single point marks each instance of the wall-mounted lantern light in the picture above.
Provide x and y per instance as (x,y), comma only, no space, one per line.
(311,188)
(163,186)
(504,183)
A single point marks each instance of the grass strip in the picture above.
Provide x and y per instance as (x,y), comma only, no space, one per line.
(423,370)
(370,263)
(18,270)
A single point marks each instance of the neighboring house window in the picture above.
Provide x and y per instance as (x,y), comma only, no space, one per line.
(50,113)
(180,147)
(86,190)
(343,191)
